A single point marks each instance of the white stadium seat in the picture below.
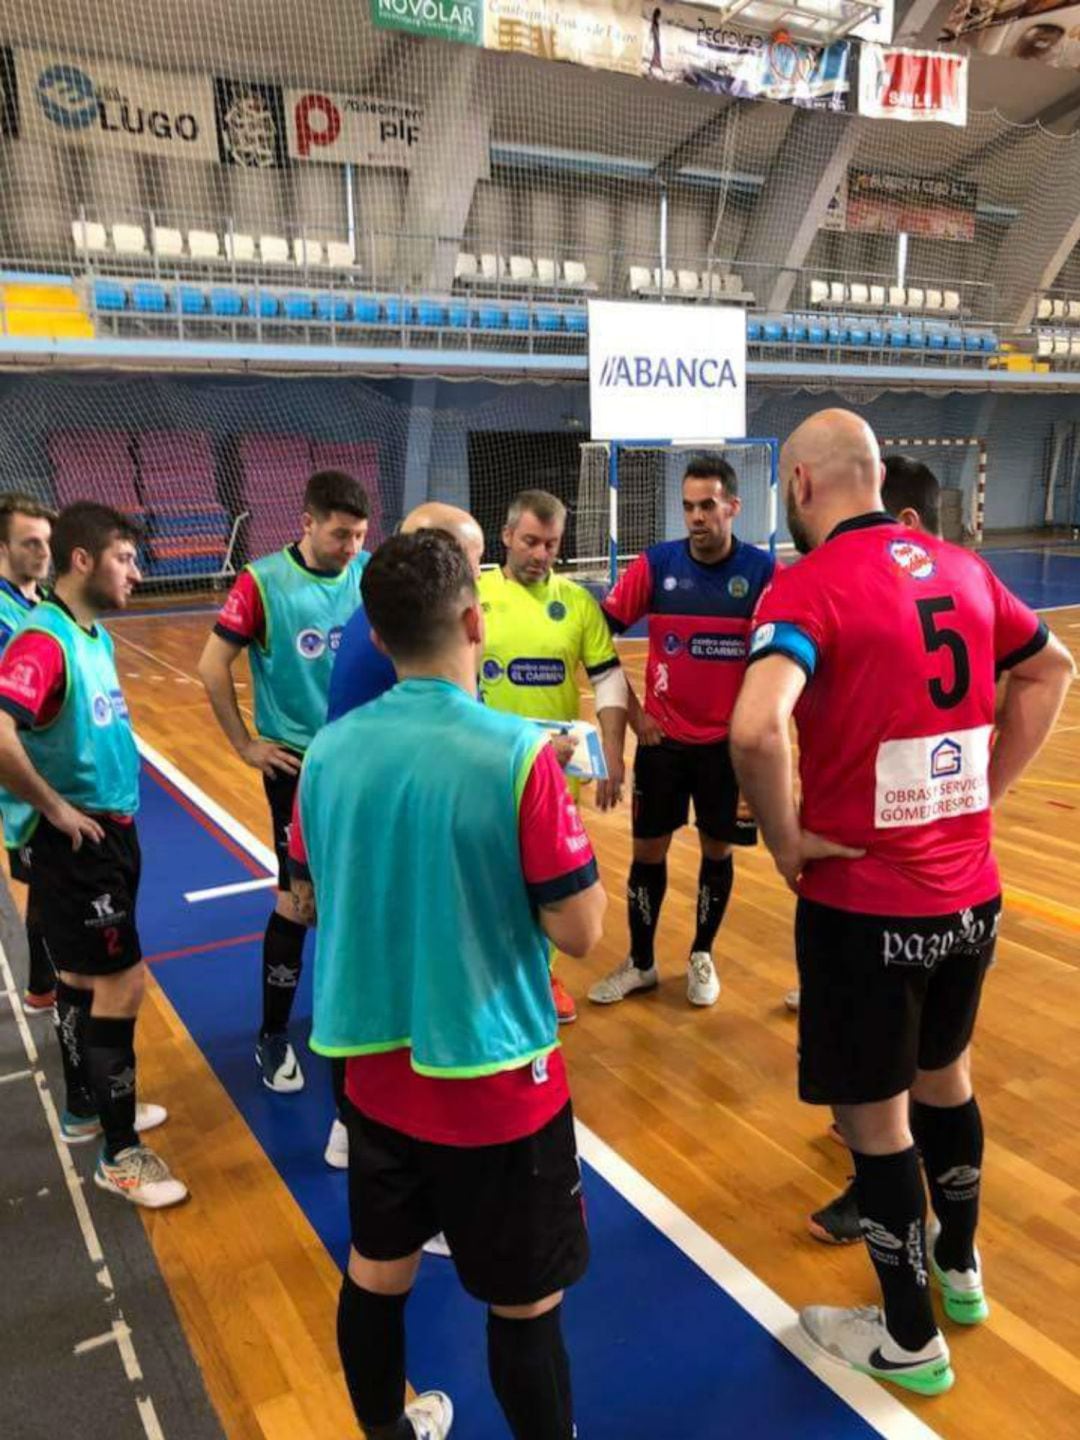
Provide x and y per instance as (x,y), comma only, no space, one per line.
(129,239)
(1072,309)
(733,284)
(1074,347)
(688,282)
(877,295)
(860,294)
(951,302)
(341,254)
(521,269)
(492,267)
(273,250)
(819,292)
(466,266)
(546,270)
(89,235)
(307,252)
(916,297)
(574,272)
(1061,345)
(897,296)
(1045,307)
(640,279)
(1046,343)
(168,243)
(663,280)
(203,245)
(933,300)
(240,248)
(1059,309)
(837,292)
(717,285)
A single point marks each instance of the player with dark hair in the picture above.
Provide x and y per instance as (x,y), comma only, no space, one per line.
(288,610)
(883,644)
(699,594)
(25,527)
(465,1125)
(67,750)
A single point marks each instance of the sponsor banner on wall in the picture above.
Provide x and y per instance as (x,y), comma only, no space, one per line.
(9,95)
(896,84)
(460,20)
(933,207)
(666,372)
(686,45)
(1019,31)
(343,129)
(600,34)
(250,124)
(101,103)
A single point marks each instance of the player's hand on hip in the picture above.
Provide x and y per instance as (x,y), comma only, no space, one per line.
(75,825)
(649,731)
(564,747)
(271,759)
(811,847)
(609,791)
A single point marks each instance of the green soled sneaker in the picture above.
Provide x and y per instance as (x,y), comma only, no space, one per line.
(858,1339)
(961,1290)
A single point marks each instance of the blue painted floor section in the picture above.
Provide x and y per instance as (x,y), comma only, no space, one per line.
(1042,578)
(658,1349)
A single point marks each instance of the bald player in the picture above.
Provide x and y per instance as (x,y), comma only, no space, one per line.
(883,644)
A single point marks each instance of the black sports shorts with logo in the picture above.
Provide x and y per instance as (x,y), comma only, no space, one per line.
(882,997)
(669,775)
(281,793)
(513,1214)
(84,900)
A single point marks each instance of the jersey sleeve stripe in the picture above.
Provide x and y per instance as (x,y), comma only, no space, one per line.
(231,635)
(783,638)
(23,718)
(593,671)
(561,887)
(1025,652)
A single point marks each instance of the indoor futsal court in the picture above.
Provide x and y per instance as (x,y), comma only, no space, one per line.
(444,253)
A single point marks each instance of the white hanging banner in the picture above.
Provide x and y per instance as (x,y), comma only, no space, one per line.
(666,372)
(103,104)
(351,129)
(897,84)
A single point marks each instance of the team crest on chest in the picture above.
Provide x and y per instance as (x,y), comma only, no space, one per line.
(556,610)
(311,644)
(738,587)
(914,559)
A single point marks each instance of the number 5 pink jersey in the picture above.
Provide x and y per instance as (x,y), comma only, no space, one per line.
(902,637)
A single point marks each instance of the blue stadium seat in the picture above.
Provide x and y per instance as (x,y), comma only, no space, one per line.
(459,316)
(577,321)
(226,302)
(491,317)
(365,310)
(298,306)
(858,337)
(837,335)
(916,340)
(816,334)
(954,341)
(264,305)
(518,317)
(149,298)
(190,300)
(795,331)
(935,340)
(972,342)
(990,344)
(399,312)
(876,337)
(898,339)
(108,295)
(547,320)
(332,308)
(430,313)
(772,332)
(753,331)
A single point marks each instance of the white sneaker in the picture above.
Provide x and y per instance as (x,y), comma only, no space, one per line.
(77,1129)
(702,981)
(858,1339)
(623,982)
(431,1415)
(278,1064)
(438,1245)
(961,1290)
(791,1000)
(142,1177)
(336,1153)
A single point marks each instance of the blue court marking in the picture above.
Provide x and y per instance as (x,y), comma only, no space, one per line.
(658,1348)
(1043,579)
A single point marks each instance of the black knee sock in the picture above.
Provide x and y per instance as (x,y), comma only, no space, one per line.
(530,1374)
(72,1013)
(337,1082)
(42,977)
(110,1063)
(892,1211)
(951,1141)
(371,1343)
(714,891)
(283,959)
(644,896)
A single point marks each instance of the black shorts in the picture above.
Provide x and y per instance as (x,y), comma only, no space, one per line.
(84,900)
(881,997)
(281,793)
(513,1214)
(669,775)
(18,867)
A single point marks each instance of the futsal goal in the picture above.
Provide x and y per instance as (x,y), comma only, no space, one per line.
(963,496)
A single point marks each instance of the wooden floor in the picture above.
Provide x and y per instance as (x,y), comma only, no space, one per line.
(702,1103)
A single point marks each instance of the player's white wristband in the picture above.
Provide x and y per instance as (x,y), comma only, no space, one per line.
(611,690)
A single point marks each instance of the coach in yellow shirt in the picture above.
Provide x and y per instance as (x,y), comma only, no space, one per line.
(541,630)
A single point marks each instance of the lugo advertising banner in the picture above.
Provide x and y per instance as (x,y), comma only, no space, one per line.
(108,105)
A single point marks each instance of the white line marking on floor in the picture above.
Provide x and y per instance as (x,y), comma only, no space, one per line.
(865,1396)
(168,665)
(110,1337)
(148,1416)
(15,1075)
(242,887)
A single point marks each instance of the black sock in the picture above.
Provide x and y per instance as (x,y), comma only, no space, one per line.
(110,1064)
(283,959)
(714,891)
(892,1211)
(530,1374)
(644,896)
(337,1083)
(72,1013)
(42,977)
(951,1141)
(371,1343)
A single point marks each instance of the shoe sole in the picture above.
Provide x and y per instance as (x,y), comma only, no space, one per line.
(111,1189)
(566,1019)
(940,1378)
(703,1004)
(289,1089)
(618,999)
(826,1237)
(960,1309)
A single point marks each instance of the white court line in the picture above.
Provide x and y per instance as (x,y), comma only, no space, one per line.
(887,1415)
(15,1075)
(242,887)
(91,1240)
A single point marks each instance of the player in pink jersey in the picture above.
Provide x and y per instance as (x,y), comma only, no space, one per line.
(884,646)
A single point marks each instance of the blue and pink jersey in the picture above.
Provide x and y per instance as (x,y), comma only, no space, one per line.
(699,623)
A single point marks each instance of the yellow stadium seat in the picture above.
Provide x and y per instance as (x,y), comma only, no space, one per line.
(53,312)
